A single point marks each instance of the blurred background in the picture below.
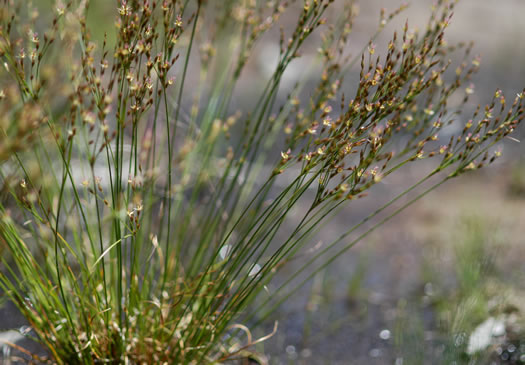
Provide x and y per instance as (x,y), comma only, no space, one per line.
(441,283)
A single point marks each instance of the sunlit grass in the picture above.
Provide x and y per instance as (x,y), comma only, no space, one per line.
(144,217)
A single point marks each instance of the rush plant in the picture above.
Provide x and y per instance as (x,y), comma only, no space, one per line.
(141,214)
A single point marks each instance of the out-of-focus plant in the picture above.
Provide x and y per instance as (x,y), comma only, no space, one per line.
(143,215)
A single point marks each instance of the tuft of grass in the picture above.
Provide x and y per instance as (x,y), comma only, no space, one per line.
(516,184)
(474,271)
(481,300)
(144,217)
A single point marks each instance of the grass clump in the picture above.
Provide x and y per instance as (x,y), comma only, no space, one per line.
(477,317)
(143,215)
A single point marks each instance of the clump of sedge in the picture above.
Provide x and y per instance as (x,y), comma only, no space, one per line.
(143,214)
